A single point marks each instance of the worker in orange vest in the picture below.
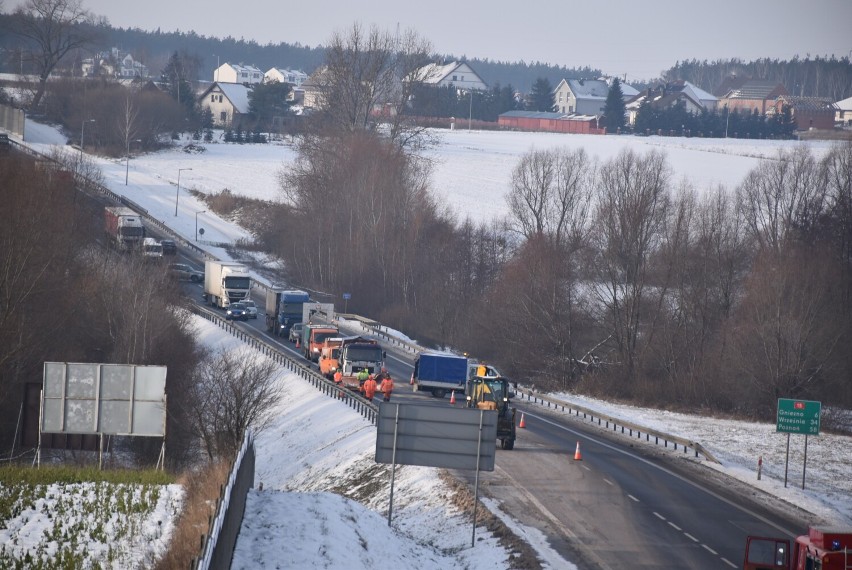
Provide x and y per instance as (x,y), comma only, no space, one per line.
(369,387)
(338,377)
(387,385)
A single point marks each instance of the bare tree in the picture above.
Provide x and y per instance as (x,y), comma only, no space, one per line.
(631,211)
(369,76)
(550,203)
(551,196)
(55,27)
(782,199)
(235,392)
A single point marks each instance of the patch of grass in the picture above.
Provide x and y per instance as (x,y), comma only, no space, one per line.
(47,475)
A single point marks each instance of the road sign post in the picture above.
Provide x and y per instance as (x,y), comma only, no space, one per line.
(346,297)
(797,416)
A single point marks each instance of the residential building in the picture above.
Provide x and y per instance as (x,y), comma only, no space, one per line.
(694,99)
(587,96)
(237,73)
(843,115)
(228,102)
(457,74)
(292,77)
(747,95)
(808,112)
(113,63)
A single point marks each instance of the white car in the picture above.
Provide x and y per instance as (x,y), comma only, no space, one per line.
(251,308)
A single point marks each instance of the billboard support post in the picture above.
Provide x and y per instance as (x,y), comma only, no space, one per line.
(476,479)
(393,461)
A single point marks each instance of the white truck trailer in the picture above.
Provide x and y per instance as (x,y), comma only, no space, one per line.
(226,282)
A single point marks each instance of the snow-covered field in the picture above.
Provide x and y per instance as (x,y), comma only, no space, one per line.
(317,444)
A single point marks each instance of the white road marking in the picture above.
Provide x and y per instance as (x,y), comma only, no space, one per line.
(729,563)
(659,516)
(690,537)
(634,498)
(674,526)
(710,550)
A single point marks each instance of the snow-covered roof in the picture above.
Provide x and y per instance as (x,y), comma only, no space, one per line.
(589,88)
(237,94)
(844,105)
(240,68)
(458,73)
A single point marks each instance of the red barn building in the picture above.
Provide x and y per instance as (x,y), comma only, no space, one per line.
(550,122)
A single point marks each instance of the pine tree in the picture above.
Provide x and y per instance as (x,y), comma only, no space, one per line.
(613,118)
(541,96)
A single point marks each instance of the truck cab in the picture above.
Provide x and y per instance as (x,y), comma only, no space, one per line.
(329,356)
(152,249)
(313,337)
(821,549)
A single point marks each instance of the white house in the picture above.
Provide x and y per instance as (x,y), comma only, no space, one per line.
(843,115)
(581,96)
(227,101)
(694,99)
(456,74)
(290,76)
(233,73)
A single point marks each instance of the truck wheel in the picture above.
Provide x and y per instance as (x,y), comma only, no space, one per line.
(439,392)
(507,444)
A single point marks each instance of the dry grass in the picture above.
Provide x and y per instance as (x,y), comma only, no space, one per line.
(521,555)
(202,490)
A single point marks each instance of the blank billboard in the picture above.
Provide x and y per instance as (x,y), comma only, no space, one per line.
(115,399)
(436,436)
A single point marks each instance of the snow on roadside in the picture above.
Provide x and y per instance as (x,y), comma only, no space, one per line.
(318,448)
(739,444)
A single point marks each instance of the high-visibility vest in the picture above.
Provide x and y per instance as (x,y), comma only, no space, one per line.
(387,385)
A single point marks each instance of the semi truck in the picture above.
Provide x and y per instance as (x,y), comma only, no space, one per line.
(225,282)
(440,373)
(492,393)
(822,548)
(123,228)
(284,309)
(356,354)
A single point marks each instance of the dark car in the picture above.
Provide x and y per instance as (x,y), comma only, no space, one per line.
(236,312)
(169,247)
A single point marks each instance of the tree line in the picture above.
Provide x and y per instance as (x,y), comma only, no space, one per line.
(608,277)
(829,77)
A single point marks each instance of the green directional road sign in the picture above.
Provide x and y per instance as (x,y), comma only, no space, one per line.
(798,416)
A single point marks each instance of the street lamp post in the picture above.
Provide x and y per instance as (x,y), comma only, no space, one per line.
(83,134)
(177,194)
(470,111)
(727,117)
(127,161)
(196,222)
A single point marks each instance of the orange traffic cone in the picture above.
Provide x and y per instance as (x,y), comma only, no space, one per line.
(298,344)
(523,423)
(577,456)
(453,398)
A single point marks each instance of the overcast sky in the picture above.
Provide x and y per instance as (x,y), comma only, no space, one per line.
(631,37)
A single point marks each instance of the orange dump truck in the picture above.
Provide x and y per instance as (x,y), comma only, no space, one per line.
(313,338)
(330,356)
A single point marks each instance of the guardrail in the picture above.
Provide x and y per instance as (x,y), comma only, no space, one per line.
(627,428)
(217,548)
(360,404)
